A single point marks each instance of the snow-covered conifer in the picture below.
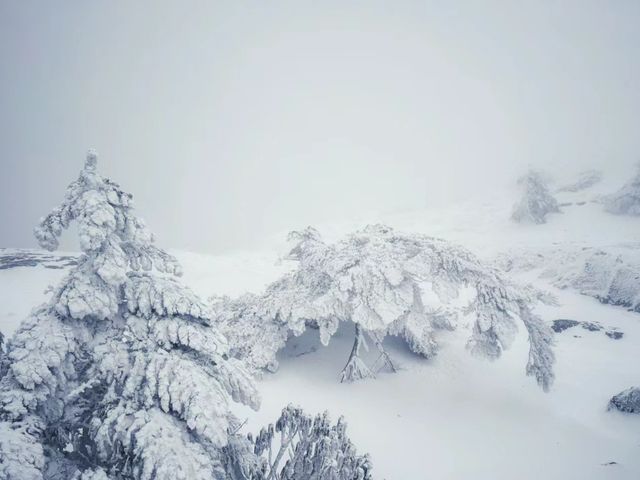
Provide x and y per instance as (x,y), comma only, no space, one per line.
(536,202)
(625,201)
(388,283)
(120,374)
(301,447)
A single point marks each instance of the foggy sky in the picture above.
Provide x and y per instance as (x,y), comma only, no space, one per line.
(229,121)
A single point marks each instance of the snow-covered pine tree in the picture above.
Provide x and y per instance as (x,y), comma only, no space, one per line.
(536,202)
(301,447)
(625,201)
(388,283)
(119,375)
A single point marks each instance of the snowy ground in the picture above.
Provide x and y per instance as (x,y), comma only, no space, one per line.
(454,417)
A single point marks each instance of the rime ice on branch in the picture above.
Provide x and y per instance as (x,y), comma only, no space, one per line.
(387,284)
(120,374)
(301,447)
(536,202)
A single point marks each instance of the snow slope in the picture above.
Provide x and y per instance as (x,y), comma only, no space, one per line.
(454,417)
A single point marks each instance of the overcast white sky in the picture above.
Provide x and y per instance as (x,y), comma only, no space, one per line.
(232,120)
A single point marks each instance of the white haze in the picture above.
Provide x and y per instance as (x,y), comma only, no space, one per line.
(233,121)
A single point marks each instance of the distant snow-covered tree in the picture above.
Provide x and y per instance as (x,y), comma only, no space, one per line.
(301,447)
(536,202)
(625,201)
(120,374)
(410,286)
(586,179)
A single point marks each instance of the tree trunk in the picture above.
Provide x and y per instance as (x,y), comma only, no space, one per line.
(355,369)
(383,353)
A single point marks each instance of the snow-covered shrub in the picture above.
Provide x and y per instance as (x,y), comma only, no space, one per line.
(386,283)
(536,202)
(120,374)
(301,447)
(626,401)
(609,274)
(625,201)
(250,338)
(586,179)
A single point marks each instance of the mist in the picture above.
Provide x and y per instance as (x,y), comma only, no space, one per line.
(231,121)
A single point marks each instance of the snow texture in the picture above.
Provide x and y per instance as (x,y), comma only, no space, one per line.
(536,202)
(120,373)
(407,285)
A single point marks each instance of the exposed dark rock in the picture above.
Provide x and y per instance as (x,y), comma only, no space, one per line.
(626,401)
(592,327)
(33,258)
(15,261)
(563,324)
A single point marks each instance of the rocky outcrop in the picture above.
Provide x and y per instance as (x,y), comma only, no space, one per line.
(627,401)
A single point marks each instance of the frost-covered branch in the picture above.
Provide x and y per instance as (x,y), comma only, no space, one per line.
(310,448)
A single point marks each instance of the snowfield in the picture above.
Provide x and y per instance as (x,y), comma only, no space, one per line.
(453,417)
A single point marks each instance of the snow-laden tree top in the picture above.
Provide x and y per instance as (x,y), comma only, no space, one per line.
(113,238)
(536,202)
(625,201)
(389,283)
(120,374)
